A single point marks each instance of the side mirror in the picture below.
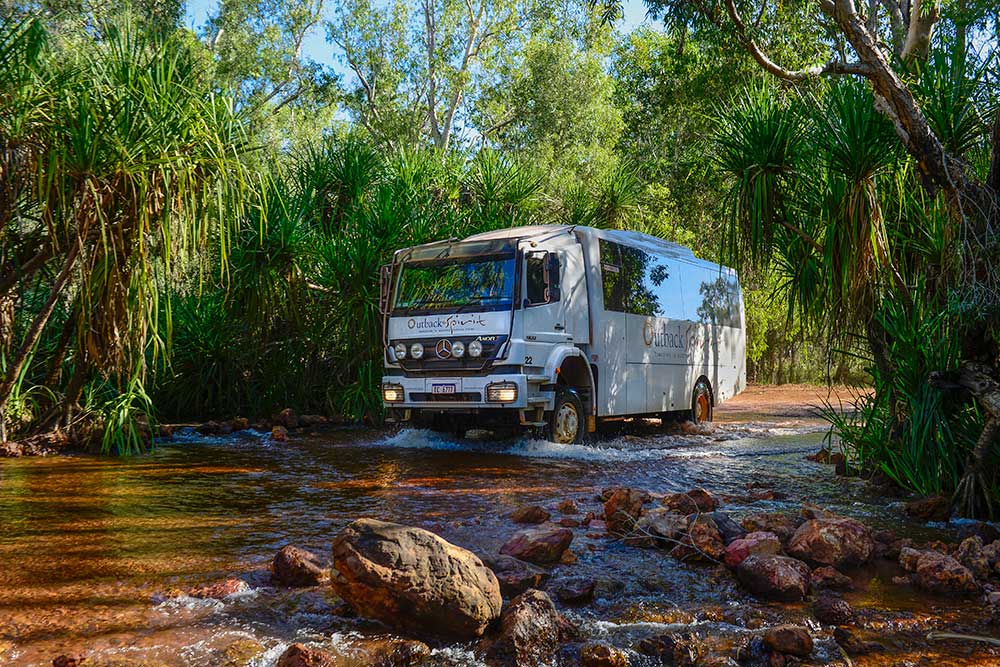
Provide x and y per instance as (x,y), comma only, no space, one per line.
(384,288)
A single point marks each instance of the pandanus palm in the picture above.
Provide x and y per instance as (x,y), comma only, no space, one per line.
(135,162)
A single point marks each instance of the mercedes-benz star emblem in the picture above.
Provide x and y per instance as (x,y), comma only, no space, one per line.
(443,349)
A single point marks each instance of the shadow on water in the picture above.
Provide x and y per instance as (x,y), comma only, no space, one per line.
(87,543)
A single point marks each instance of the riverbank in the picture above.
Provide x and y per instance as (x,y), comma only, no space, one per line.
(99,555)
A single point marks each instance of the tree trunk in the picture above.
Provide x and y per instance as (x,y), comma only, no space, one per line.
(35,331)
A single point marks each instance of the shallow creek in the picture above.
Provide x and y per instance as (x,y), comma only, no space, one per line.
(88,545)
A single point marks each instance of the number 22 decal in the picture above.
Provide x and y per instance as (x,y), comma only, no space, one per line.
(528,361)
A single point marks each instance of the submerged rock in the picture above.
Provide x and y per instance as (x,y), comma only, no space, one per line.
(411,579)
(774,577)
(602,655)
(567,506)
(515,576)
(752,543)
(852,644)
(68,661)
(623,508)
(839,542)
(931,508)
(220,589)
(691,502)
(830,578)
(293,567)
(530,514)
(789,640)
(531,632)
(544,544)
(574,590)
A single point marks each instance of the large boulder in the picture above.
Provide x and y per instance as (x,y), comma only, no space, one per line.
(752,543)
(703,541)
(515,576)
(531,632)
(413,580)
(839,542)
(774,577)
(623,508)
(937,572)
(544,544)
(293,566)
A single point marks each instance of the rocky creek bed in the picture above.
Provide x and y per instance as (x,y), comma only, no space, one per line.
(723,546)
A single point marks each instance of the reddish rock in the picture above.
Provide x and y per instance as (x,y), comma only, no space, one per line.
(852,644)
(752,543)
(986,531)
(568,557)
(888,544)
(220,589)
(782,525)
(789,640)
(515,576)
(297,567)
(312,420)
(832,610)
(300,655)
(838,542)
(413,580)
(623,508)
(992,553)
(938,573)
(529,514)
(531,632)
(602,655)
(539,545)
(908,558)
(165,431)
(774,577)
(574,590)
(931,508)
(829,578)
(279,434)
(702,541)
(692,502)
(240,424)
(814,511)
(766,494)
(567,522)
(68,661)
(970,553)
(567,506)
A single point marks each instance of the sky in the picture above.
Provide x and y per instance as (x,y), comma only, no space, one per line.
(315,47)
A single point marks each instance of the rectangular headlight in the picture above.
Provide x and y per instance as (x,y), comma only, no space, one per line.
(501,392)
(392,393)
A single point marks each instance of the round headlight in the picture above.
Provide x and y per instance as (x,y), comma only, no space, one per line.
(400,350)
(475,349)
(417,351)
(458,349)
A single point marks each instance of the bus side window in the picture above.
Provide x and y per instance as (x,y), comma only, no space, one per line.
(612,277)
(535,279)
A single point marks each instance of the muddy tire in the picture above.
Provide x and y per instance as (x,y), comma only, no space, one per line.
(567,422)
(701,402)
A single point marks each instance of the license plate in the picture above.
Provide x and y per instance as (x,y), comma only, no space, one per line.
(443,389)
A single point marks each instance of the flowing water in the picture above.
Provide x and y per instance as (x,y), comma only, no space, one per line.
(94,550)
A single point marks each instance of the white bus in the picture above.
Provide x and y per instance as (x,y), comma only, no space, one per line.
(558,327)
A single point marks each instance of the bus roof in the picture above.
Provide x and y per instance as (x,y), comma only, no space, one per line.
(634,239)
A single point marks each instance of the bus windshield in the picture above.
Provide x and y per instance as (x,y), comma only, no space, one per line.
(470,284)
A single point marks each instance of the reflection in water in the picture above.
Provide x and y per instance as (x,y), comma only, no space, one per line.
(89,545)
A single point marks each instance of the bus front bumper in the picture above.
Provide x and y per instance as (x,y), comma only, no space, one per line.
(405,396)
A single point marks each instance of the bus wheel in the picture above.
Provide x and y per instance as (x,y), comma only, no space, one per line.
(701,403)
(566,424)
